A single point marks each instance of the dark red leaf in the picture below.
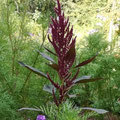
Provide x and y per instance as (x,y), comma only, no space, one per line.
(86,61)
(46,57)
(71,53)
(53,83)
(59,6)
(50,51)
(33,69)
(86,79)
(54,66)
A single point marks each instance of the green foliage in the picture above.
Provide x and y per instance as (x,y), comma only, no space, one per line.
(42,10)
(102,94)
(25,23)
(96,43)
(66,111)
(14,39)
(8,109)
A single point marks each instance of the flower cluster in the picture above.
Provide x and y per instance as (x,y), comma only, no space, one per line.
(40,117)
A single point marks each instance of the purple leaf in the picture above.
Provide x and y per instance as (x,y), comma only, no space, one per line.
(54,66)
(33,70)
(46,57)
(86,79)
(50,51)
(53,83)
(70,56)
(86,61)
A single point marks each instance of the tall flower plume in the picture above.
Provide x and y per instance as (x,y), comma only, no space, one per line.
(63,42)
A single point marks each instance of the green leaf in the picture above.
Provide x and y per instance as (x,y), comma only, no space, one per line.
(100,111)
(33,70)
(86,79)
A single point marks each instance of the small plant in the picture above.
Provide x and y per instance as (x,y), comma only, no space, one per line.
(63,42)
(67,111)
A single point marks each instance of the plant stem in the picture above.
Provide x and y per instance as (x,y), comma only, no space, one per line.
(34,63)
(9,87)
(10,38)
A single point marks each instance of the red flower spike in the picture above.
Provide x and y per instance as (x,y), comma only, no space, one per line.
(62,41)
(64,45)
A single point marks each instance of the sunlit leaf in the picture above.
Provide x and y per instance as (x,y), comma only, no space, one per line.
(33,69)
(100,111)
(31,109)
